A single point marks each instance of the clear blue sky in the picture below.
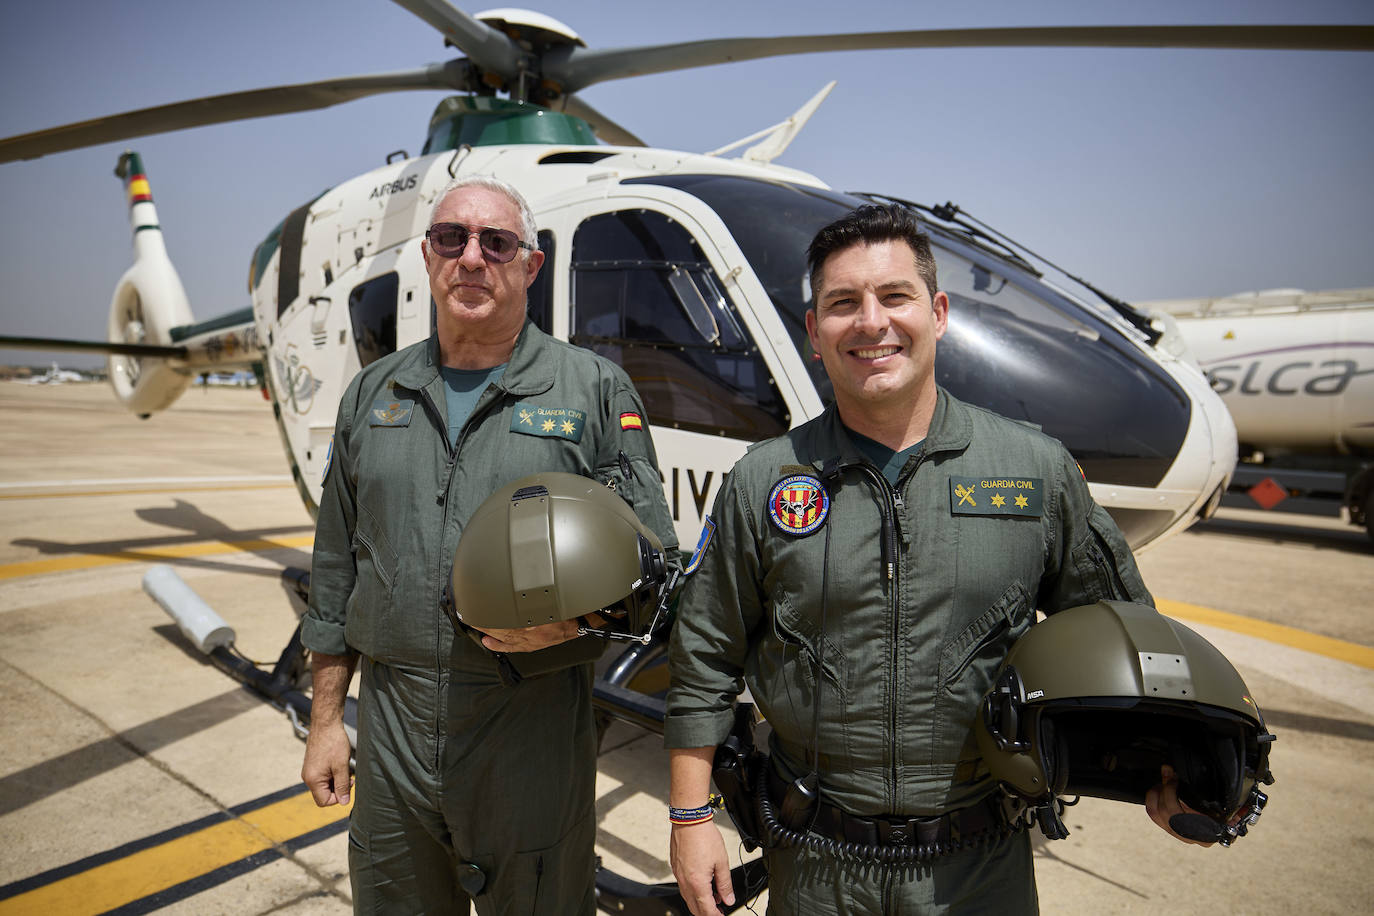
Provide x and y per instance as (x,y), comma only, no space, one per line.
(1156,174)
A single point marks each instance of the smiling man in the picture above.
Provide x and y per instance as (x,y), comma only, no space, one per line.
(867,574)
(476,756)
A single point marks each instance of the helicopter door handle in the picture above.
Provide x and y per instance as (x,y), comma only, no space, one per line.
(317,320)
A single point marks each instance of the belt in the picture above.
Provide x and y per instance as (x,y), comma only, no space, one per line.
(953,828)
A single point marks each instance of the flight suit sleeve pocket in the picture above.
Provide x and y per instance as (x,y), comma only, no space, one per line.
(1104,566)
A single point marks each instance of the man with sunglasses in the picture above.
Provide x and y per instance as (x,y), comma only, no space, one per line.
(476,755)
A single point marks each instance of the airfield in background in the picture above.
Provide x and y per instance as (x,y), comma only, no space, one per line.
(135,777)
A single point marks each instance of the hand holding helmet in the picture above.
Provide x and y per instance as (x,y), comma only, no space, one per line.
(1115,700)
(553,548)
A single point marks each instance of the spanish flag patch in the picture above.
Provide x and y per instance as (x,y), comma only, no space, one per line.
(631,421)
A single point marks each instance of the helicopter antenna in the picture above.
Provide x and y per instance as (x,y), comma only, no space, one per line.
(780,135)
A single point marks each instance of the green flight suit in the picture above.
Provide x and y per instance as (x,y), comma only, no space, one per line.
(455,768)
(991,520)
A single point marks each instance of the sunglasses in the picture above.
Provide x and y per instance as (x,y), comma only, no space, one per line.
(450,240)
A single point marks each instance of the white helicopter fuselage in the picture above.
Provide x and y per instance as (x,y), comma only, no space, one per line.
(367,231)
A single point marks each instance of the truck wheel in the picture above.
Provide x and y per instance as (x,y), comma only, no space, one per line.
(1369,514)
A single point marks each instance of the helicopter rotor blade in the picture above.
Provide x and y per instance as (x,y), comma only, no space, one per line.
(582,67)
(234,106)
(488,48)
(604,127)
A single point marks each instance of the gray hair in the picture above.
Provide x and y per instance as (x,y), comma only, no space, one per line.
(528,230)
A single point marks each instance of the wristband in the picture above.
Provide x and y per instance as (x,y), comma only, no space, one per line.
(685,816)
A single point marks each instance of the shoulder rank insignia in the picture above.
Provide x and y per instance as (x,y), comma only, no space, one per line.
(387,412)
(1024,496)
(708,531)
(555,422)
(798,504)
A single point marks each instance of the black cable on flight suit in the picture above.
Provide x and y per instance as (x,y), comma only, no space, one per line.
(800,806)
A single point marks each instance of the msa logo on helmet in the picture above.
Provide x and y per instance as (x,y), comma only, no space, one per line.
(1035,695)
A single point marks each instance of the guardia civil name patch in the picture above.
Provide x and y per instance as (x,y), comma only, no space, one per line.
(1023,496)
(798,504)
(557,422)
(391,412)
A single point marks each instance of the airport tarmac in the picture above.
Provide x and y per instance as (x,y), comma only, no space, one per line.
(137,778)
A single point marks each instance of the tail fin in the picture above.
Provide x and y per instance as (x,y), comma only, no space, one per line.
(148,303)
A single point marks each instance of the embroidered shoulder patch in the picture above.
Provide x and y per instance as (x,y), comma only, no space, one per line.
(631,420)
(798,504)
(388,412)
(328,461)
(1024,496)
(556,422)
(708,531)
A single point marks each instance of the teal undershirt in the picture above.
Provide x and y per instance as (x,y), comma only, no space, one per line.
(465,386)
(885,459)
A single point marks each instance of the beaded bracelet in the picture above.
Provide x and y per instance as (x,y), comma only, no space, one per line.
(696,815)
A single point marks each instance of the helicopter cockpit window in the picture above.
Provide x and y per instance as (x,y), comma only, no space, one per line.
(539,300)
(372,309)
(645,296)
(1015,344)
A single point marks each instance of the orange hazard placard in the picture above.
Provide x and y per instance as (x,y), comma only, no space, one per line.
(1268,493)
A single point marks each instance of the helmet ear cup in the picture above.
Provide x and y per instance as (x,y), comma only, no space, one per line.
(1227,752)
(1054,755)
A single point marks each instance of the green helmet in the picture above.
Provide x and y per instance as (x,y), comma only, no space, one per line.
(553,547)
(1095,699)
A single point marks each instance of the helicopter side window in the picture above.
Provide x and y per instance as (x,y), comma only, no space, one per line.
(539,300)
(645,296)
(372,308)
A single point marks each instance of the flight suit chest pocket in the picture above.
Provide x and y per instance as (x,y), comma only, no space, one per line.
(803,633)
(373,589)
(968,665)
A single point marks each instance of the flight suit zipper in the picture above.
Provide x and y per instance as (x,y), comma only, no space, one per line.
(888,510)
(452,449)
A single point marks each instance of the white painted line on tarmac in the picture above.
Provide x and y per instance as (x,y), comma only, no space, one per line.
(149,481)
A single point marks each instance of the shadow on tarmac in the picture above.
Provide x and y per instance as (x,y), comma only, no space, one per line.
(1352,540)
(199,528)
(1278,719)
(58,774)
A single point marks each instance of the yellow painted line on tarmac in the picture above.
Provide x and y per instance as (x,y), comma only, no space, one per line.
(150,555)
(184,858)
(1339,649)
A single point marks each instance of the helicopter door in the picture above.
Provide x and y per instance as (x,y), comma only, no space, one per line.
(645,294)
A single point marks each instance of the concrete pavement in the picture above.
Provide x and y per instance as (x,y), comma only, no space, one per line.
(135,777)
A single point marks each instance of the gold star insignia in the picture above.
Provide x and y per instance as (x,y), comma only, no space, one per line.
(998,500)
(525,417)
(568,427)
(1021,501)
(548,425)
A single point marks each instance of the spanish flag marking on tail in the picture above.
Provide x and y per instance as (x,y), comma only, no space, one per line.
(139,190)
(631,421)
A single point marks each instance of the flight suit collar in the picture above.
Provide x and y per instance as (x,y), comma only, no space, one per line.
(526,373)
(951,430)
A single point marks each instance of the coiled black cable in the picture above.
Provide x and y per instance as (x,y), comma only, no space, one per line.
(776,835)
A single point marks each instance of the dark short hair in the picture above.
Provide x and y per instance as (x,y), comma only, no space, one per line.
(868,225)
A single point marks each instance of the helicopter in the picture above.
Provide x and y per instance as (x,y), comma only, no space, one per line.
(684,267)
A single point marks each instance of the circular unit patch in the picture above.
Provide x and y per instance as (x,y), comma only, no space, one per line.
(798,504)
